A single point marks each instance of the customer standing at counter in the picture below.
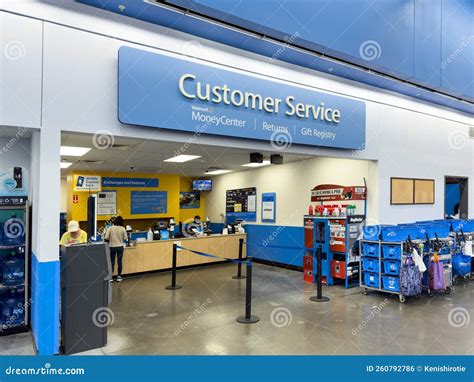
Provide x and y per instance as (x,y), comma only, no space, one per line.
(115,236)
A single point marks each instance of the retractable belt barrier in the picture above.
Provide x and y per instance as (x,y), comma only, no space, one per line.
(247,318)
(274,246)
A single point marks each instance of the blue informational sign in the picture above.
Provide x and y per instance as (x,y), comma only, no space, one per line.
(166,92)
(149,202)
(129,182)
(14,181)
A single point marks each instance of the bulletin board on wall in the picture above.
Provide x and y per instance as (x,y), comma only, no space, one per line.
(241,204)
(406,191)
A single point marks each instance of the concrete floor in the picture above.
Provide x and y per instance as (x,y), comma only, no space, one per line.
(200,317)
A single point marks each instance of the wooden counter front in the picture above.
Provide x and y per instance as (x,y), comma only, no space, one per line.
(156,255)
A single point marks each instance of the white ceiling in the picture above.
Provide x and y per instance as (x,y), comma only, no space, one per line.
(147,156)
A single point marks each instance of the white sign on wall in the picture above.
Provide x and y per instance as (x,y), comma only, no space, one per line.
(87,183)
(107,203)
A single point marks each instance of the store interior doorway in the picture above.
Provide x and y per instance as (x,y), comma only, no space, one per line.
(456,197)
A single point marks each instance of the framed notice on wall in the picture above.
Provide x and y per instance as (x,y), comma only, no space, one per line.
(269,207)
(107,203)
(241,204)
(405,191)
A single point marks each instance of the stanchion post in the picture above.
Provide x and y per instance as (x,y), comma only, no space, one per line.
(319,275)
(173,285)
(239,276)
(248,318)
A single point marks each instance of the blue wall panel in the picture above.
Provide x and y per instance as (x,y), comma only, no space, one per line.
(45,305)
(428,42)
(397,44)
(280,244)
(404,38)
(457,55)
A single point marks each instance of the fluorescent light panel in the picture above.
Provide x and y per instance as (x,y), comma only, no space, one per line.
(65,164)
(182,158)
(264,163)
(218,172)
(71,151)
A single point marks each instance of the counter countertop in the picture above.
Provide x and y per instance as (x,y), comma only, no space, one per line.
(215,236)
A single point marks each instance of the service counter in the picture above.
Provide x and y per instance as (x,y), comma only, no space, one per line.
(156,255)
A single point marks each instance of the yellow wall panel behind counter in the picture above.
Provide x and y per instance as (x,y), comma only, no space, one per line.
(171,183)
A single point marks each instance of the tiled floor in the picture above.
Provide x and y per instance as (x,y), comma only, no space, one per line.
(18,344)
(200,317)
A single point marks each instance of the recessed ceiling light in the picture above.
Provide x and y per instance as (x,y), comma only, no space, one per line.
(264,163)
(65,164)
(182,158)
(71,151)
(217,172)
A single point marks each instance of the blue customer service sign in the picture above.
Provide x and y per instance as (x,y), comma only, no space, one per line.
(160,91)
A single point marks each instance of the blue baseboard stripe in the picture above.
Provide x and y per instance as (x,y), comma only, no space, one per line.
(278,244)
(45,305)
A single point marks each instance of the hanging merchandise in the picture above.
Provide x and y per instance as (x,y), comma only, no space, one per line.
(410,279)
(468,248)
(418,260)
(437,281)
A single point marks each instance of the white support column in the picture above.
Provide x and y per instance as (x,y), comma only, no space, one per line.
(45,174)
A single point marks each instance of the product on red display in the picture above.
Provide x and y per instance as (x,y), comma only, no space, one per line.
(310,210)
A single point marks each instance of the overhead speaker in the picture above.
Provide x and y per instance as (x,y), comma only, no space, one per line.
(276,159)
(256,158)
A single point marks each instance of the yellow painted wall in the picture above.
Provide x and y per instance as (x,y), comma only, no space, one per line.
(171,183)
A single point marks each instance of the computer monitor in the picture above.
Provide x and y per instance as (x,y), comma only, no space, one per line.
(165,235)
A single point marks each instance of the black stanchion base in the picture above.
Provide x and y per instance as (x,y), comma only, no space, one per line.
(317,299)
(251,320)
(236,277)
(171,287)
